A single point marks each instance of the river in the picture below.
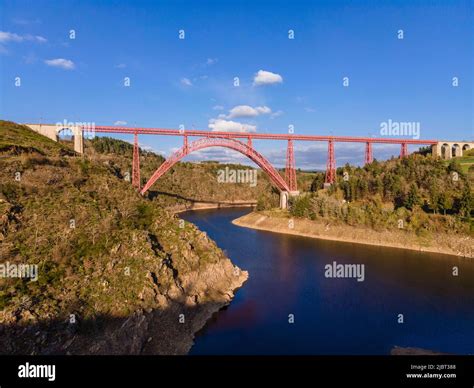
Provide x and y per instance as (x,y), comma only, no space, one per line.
(340,316)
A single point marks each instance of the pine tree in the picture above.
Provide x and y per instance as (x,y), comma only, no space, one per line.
(434,196)
(465,202)
(413,197)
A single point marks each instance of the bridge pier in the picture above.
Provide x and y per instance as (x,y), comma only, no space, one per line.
(136,163)
(290,171)
(284,199)
(403,150)
(285,195)
(330,164)
(368,153)
(78,140)
(436,150)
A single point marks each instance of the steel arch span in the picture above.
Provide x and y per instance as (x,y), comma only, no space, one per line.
(233,144)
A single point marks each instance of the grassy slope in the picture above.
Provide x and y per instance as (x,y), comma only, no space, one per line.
(15,138)
(467,164)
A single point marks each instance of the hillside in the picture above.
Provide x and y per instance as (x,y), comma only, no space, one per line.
(415,182)
(466,163)
(115,271)
(16,139)
(417,202)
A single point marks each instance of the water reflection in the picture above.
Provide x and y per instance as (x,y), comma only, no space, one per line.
(335,316)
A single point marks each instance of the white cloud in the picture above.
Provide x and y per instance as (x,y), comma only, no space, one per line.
(221,125)
(218,107)
(61,63)
(220,154)
(310,110)
(120,122)
(242,111)
(6,37)
(30,58)
(267,78)
(121,66)
(276,114)
(186,82)
(263,110)
(211,61)
(248,111)
(9,37)
(25,22)
(146,147)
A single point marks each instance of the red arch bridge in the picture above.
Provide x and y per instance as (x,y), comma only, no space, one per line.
(243,142)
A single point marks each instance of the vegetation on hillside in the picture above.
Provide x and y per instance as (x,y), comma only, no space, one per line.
(418,193)
(17,139)
(466,163)
(102,250)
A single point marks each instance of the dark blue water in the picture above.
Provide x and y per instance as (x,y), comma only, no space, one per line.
(335,316)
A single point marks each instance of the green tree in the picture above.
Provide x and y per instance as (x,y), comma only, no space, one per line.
(353,189)
(346,189)
(378,186)
(362,188)
(260,204)
(434,197)
(301,206)
(465,202)
(317,182)
(412,199)
(445,201)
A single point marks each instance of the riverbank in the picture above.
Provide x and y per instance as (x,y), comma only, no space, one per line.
(183,319)
(171,328)
(181,208)
(279,222)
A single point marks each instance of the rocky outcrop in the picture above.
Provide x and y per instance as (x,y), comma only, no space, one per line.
(178,304)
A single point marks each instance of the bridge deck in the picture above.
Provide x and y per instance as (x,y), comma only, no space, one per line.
(245,135)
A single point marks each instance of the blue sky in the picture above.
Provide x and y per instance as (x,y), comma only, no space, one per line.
(191,81)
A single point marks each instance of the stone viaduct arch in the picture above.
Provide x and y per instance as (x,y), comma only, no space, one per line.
(450,149)
(52,131)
